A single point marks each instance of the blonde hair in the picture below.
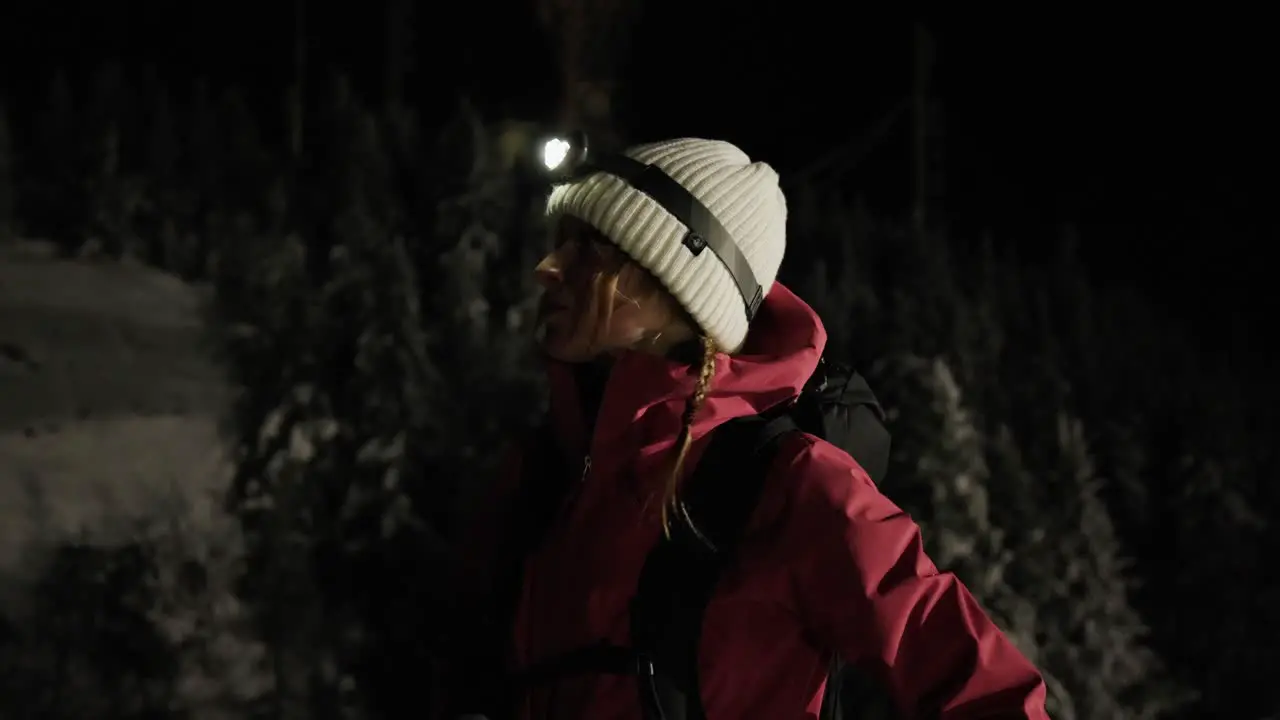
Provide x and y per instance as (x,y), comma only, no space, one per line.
(670,496)
(676,326)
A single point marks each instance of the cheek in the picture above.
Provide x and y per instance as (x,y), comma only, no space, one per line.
(628,326)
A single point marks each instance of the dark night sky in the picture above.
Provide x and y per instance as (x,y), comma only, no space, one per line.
(1155,133)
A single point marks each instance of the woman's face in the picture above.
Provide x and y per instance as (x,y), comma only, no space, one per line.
(596,300)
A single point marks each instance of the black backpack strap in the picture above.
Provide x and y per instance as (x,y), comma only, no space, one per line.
(832,704)
(593,659)
(679,576)
(607,659)
(682,572)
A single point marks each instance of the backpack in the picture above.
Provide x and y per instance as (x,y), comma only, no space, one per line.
(681,573)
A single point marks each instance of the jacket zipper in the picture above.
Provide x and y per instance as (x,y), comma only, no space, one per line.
(575,491)
(553,697)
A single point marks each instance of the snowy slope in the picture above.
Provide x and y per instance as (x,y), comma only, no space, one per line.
(109,403)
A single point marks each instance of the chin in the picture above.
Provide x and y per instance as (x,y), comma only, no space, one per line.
(564,350)
(553,344)
(568,355)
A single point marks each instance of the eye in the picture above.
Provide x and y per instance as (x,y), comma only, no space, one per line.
(568,233)
(559,237)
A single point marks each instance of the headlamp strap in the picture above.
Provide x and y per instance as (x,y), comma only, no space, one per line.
(704,229)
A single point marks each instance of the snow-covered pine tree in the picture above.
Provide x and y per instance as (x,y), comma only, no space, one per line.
(487,234)
(939,470)
(1075,571)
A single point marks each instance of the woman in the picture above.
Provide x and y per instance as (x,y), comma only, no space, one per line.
(653,341)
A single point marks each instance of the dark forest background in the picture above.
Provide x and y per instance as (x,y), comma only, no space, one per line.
(1096,468)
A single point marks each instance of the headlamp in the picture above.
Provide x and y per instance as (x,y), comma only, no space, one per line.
(562,157)
(565,158)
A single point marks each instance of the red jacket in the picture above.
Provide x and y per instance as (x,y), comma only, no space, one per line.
(830,564)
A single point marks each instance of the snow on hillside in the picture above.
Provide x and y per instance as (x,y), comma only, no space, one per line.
(109,404)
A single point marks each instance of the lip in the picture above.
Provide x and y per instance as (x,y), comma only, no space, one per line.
(551,305)
(549,311)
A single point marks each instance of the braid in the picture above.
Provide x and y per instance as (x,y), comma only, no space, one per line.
(707,373)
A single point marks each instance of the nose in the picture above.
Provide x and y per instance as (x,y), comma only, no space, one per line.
(550,271)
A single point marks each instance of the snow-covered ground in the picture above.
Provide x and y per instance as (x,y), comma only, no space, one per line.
(110,403)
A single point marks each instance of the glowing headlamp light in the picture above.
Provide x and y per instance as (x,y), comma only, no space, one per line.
(565,158)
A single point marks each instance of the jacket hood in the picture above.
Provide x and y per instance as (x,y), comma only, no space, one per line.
(645,395)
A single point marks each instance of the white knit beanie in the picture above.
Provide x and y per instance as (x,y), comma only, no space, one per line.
(745,198)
